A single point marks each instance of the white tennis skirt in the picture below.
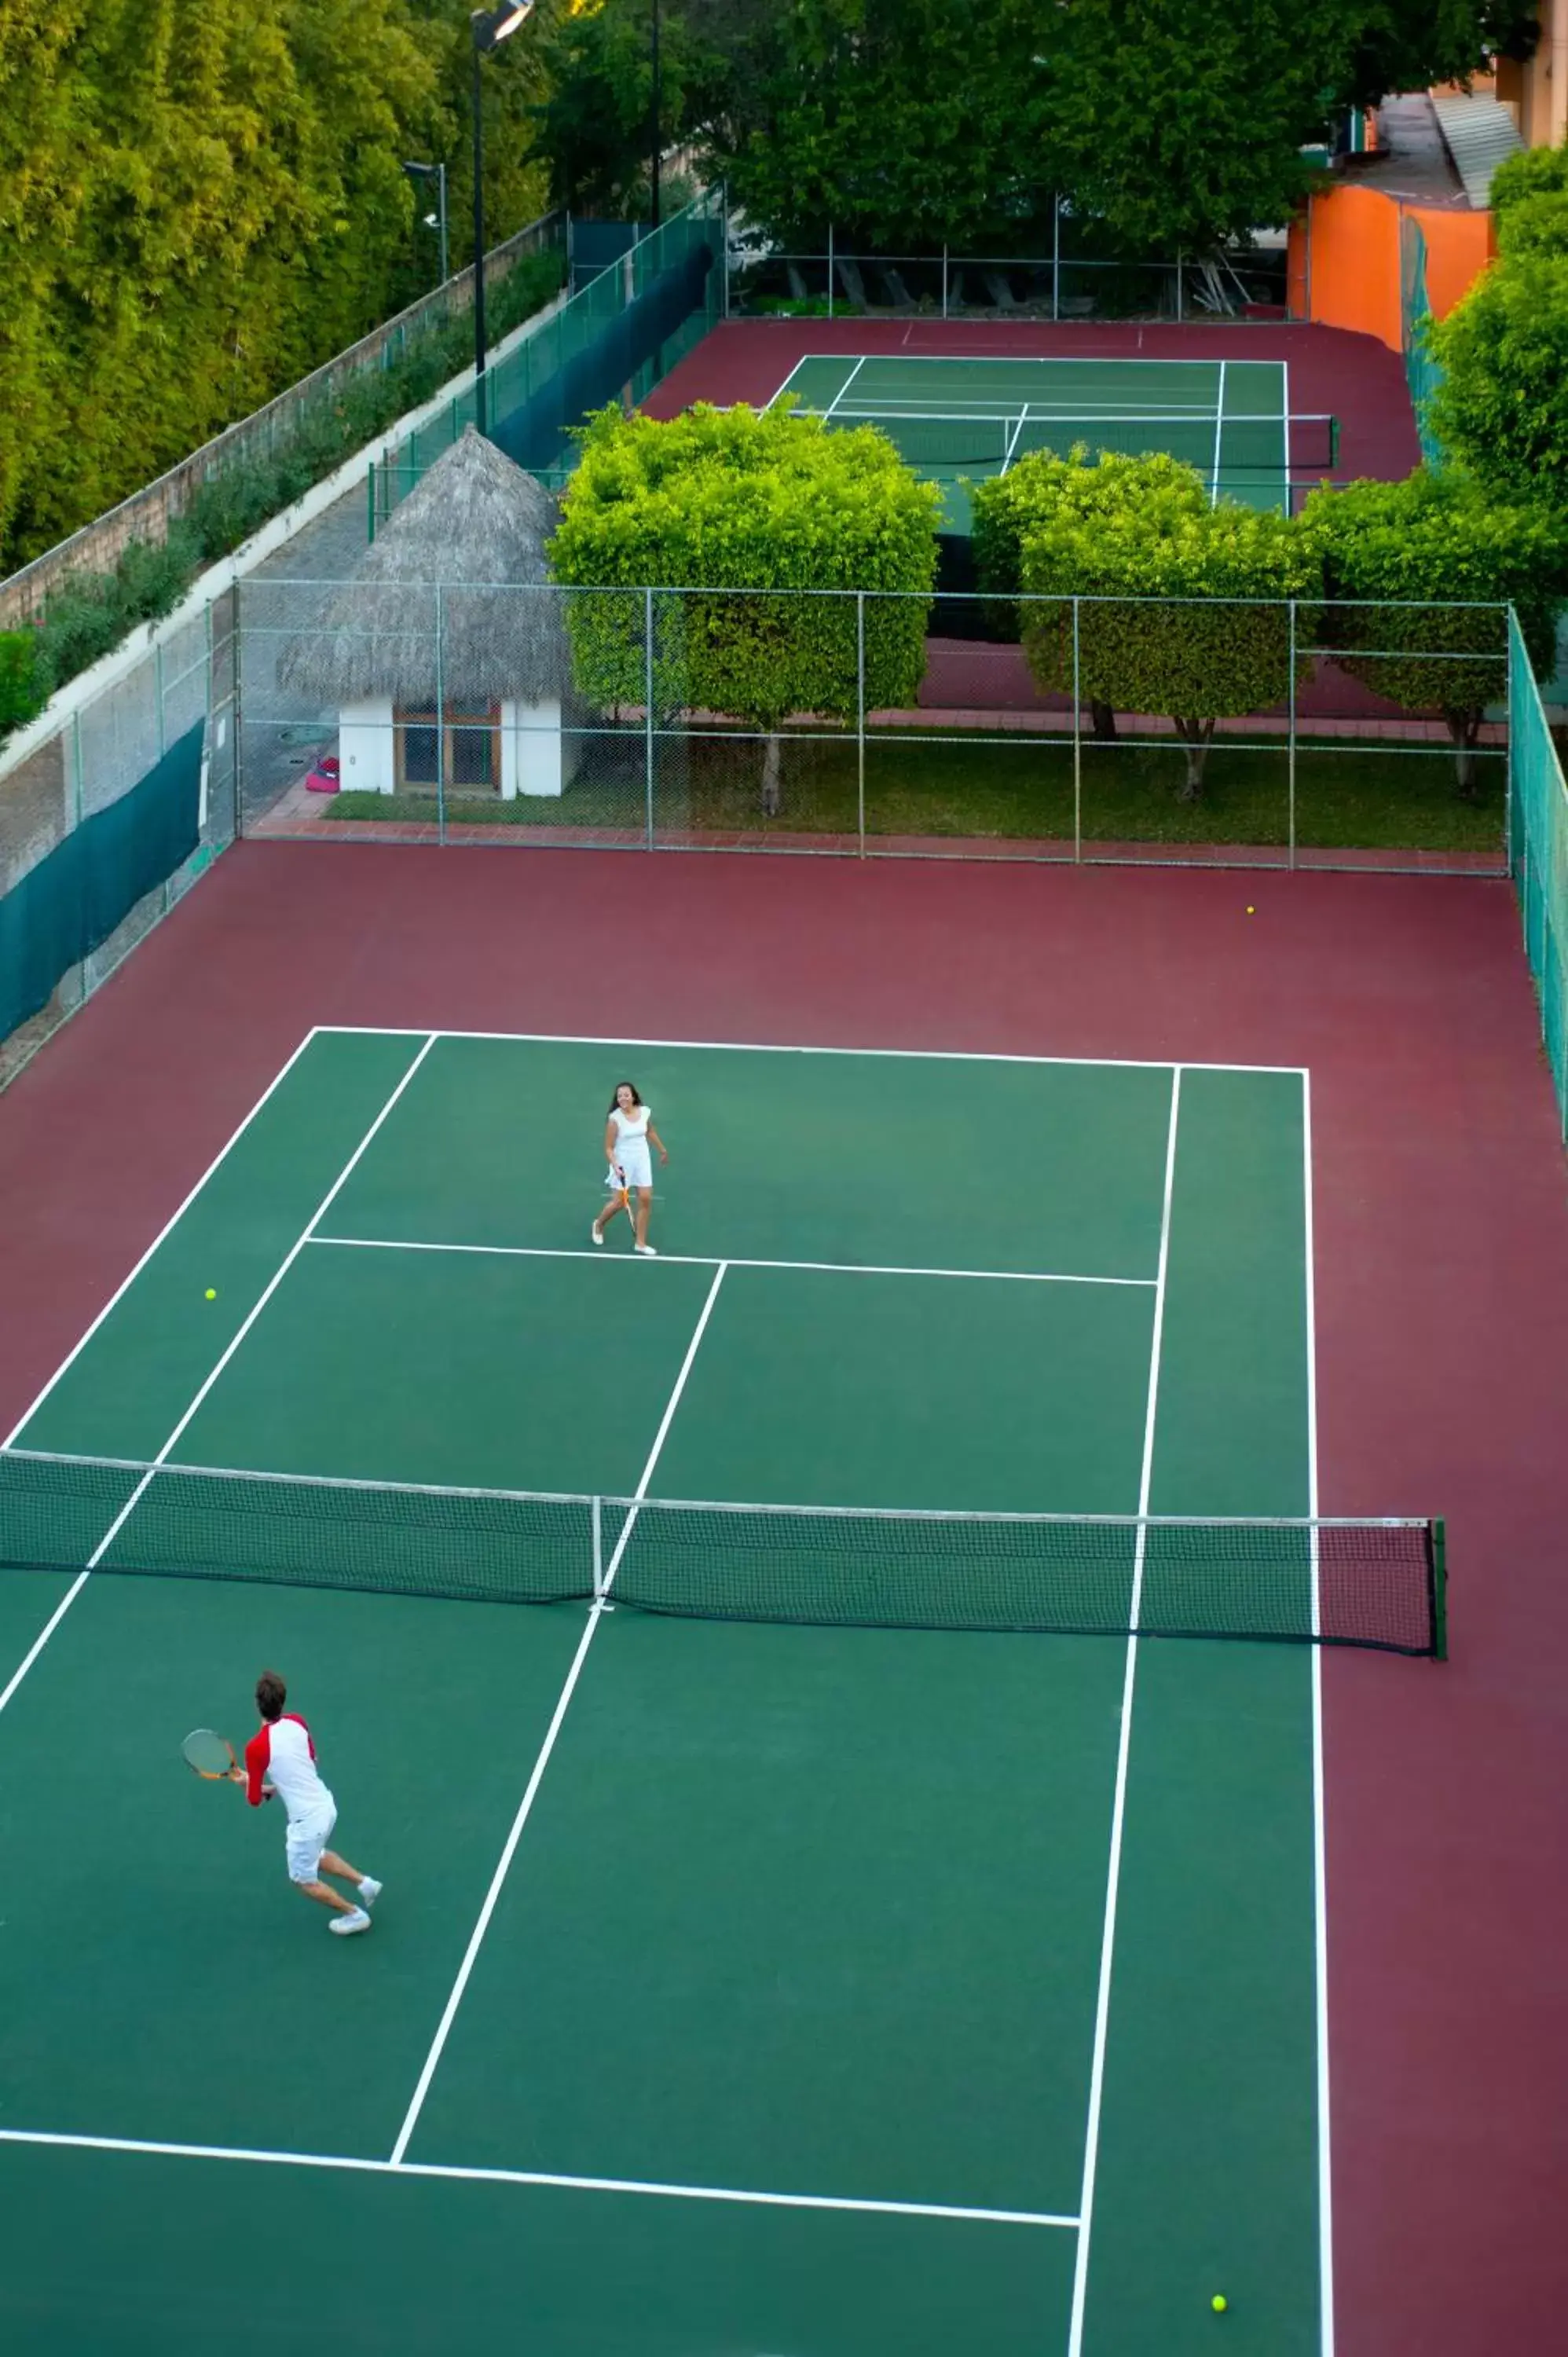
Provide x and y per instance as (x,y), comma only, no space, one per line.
(636,1162)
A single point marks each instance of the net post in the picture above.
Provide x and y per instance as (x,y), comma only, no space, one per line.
(944,282)
(1179,289)
(860,713)
(1056,255)
(1438,1585)
(829,270)
(596,1517)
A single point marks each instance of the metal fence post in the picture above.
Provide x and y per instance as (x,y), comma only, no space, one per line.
(1290,737)
(829,270)
(440,725)
(1179,291)
(1076,750)
(860,711)
(1056,256)
(158,691)
(725,230)
(648,705)
(944,282)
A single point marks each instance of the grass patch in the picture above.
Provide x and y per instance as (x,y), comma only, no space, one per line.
(965,788)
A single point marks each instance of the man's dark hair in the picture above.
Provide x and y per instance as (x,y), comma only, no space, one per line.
(271,1696)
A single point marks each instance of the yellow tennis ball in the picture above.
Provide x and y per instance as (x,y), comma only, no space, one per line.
(1251,910)
(1220,2303)
(212,1293)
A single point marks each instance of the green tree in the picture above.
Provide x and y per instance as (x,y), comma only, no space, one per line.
(591,126)
(743,511)
(1533,172)
(1143,595)
(1501,409)
(1417,574)
(197,205)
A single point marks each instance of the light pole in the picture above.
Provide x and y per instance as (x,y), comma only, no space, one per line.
(491,27)
(653,128)
(437,219)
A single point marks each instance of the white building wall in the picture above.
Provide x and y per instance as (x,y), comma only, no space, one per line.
(366,748)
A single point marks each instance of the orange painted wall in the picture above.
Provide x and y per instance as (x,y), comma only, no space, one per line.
(1349,274)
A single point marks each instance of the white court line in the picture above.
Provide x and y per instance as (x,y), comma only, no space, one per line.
(790,1048)
(169,1225)
(847,382)
(538,2177)
(242,1331)
(1218,436)
(1319,1836)
(1017,359)
(601,1606)
(1119,1805)
(712,1260)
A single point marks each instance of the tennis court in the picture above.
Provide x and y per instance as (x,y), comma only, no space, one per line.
(793,1989)
(954,418)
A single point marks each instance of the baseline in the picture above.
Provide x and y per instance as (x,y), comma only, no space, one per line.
(797,1047)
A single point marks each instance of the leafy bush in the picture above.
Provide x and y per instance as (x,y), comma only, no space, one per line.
(1045,488)
(90,613)
(23,689)
(1436,560)
(1502,407)
(1183,604)
(733,507)
(1534,172)
(1536,225)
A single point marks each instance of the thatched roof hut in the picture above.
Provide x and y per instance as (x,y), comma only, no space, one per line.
(474,526)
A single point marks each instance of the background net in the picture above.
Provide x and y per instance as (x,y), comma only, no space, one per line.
(945,443)
(1367,1583)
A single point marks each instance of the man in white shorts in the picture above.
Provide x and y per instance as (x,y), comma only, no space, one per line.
(281,1760)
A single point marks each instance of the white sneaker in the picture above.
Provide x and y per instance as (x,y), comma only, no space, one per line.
(370,1891)
(343,1924)
(596,1233)
(647,1252)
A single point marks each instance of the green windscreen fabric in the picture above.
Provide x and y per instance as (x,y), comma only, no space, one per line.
(67,907)
(1538,855)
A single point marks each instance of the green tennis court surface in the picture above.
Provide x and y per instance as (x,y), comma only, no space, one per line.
(737,1991)
(957,418)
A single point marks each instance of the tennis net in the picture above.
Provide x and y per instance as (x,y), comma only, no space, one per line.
(1370,1583)
(1238,447)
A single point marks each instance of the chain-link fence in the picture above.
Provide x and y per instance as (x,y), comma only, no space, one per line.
(615,339)
(1273,734)
(1423,372)
(1065,279)
(107,820)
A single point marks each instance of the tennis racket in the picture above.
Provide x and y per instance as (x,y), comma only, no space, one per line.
(207,1755)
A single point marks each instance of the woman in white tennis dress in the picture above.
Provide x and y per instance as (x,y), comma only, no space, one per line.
(628,1134)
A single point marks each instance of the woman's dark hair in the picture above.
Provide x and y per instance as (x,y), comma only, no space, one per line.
(615,1097)
(271,1696)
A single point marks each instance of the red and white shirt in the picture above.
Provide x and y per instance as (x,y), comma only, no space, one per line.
(284,1756)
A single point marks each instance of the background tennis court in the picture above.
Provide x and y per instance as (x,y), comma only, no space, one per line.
(800,1912)
(952,417)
